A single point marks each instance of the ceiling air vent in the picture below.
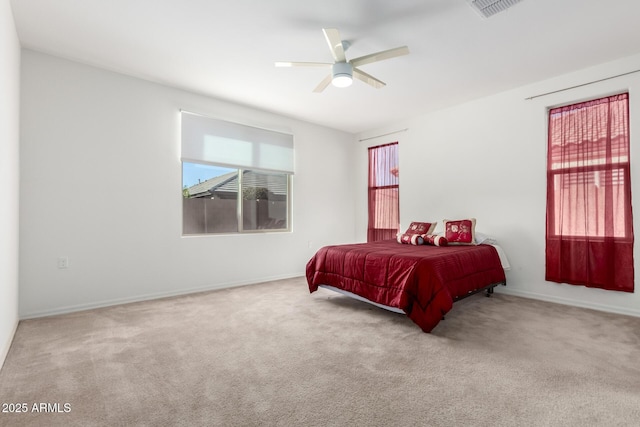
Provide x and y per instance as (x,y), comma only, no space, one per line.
(488,8)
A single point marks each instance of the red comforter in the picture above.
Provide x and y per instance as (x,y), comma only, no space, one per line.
(423,281)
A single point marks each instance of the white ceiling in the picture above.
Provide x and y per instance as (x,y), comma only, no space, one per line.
(227,49)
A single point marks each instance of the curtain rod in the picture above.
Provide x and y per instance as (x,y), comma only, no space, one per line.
(580,85)
(384,134)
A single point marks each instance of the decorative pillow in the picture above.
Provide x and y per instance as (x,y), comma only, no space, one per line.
(410,239)
(421,228)
(460,232)
(435,240)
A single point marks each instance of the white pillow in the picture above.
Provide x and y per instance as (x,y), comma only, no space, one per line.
(483,238)
(480,238)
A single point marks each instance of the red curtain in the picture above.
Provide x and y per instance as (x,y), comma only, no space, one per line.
(384,206)
(589,238)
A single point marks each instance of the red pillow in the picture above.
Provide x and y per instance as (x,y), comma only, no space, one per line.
(435,240)
(421,228)
(460,232)
(410,239)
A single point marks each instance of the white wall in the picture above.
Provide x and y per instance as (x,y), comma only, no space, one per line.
(9,176)
(487,159)
(101,185)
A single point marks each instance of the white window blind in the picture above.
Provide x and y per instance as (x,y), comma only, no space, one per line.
(205,139)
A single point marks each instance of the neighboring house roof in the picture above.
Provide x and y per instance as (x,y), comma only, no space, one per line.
(206,188)
(228,183)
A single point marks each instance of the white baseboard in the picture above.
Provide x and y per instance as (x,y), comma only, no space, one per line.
(4,350)
(147,297)
(566,301)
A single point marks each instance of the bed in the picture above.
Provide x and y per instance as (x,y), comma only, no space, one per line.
(422,281)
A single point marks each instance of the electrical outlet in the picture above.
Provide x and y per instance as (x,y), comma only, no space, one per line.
(63,262)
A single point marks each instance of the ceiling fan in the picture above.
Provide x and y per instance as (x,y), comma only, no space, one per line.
(343,71)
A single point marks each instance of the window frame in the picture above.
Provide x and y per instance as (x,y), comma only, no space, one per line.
(374,233)
(591,243)
(242,147)
(240,205)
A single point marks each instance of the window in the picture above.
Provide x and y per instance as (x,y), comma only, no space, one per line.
(384,202)
(589,225)
(235,178)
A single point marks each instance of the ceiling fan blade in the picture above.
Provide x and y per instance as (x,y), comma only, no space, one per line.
(368,78)
(335,44)
(323,84)
(380,56)
(303,64)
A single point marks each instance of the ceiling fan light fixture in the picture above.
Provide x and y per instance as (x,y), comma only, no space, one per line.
(342,74)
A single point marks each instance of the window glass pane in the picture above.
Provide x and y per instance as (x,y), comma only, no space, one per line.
(383,165)
(383,209)
(386,201)
(210,199)
(588,202)
(264,200)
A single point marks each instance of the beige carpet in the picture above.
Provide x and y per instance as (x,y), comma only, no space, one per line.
(271,354)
